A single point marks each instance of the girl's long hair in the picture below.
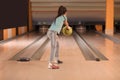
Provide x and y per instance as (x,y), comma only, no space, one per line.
(61,11)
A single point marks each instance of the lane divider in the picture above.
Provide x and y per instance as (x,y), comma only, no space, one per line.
(16,57)
(89,51)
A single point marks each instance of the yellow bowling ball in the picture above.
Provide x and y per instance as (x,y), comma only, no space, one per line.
(67,32)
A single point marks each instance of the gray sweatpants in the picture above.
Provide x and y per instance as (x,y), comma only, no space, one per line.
(54,45)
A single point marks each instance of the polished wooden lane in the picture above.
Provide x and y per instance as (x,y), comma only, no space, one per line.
(109,48)
(10,48)
(29,52)
(68,47)
(75,67)
(117,35)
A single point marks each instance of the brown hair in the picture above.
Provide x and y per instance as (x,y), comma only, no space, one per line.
(61,11)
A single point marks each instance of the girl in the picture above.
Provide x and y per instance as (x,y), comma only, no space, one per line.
(55,29)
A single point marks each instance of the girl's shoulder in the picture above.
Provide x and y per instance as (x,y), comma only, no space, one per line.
(62,16)
(65,17)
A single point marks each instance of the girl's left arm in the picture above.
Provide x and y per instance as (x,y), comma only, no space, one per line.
(66,23)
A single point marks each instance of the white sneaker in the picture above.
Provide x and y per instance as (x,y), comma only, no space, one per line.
(52,66)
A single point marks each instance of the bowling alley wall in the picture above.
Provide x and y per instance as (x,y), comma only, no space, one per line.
(15,18)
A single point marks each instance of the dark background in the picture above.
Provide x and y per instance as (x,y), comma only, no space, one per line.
(13,13)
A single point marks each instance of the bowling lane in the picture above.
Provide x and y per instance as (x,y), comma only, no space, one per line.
(117,35)
(12,47)
(32,49)
(105,46)
(89,51)
(74,66)
(69,50)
